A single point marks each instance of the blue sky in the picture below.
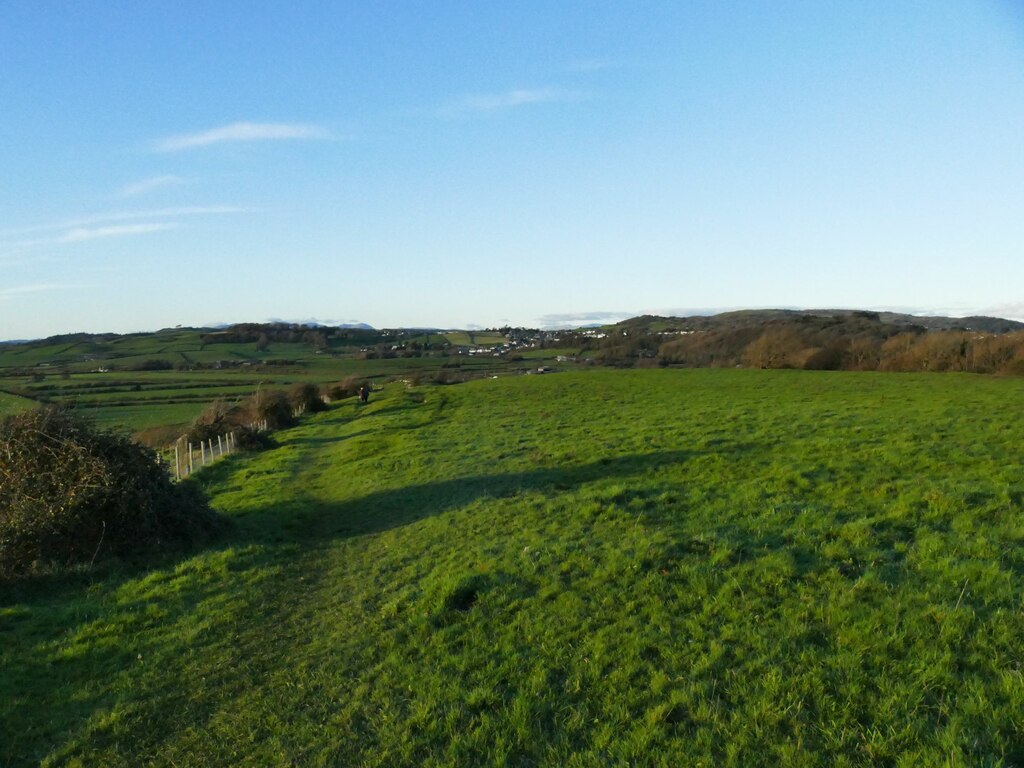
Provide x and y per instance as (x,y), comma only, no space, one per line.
(462,164)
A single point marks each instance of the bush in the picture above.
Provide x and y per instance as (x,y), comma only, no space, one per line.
(70,492)
(273,407)
(218,418)
(251,439)
(152,365)
(349,387)
(306,397)
(221,417)
(830,358)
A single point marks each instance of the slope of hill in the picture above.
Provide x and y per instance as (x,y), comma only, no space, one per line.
(855,318)
(815,339)
(639,567)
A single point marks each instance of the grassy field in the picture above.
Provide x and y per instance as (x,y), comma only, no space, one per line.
(707,567)
(13,403)
(106,379)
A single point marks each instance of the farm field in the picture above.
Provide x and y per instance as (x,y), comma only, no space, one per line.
(657,567)
(143,382)
(13,403)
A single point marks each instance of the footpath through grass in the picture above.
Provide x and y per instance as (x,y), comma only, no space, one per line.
(610,568)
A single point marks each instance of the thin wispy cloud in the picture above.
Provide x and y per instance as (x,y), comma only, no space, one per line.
(1012,310)
(23,290)
(517,97)
(149,185)
(106,225)
(575,319)
(151,213)
(80,234)
(1009,310)
(241,132)
(114,216)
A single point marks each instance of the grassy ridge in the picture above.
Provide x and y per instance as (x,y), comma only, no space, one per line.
(651,567)
(13,403)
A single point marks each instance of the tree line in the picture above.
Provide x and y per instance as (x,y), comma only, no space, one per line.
(815,344)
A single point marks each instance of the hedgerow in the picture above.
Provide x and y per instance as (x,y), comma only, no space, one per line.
(70,493)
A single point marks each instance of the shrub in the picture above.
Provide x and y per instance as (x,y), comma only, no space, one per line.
(70,492)
(830,358)
(251,439)
(273,407)
(218,418)
(152,365)
(448,376)
(306,397)
(349,387)
(221,417)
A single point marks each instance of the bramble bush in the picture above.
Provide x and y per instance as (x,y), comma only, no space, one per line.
(70,492)
(217,418)
(221,417)
(306,397)
(349,387)
(272,406)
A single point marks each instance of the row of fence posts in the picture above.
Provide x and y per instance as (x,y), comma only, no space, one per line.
(190,456)
(186,461)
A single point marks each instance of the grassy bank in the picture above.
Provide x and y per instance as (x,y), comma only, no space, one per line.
(643,567)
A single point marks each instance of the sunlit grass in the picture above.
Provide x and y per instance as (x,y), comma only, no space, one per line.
(13,404)
(606,568)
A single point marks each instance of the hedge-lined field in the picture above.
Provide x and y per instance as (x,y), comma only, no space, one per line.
(708,567)
(13,404)
(142,382)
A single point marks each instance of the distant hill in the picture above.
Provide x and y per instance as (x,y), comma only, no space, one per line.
(820,339)
(314,323)
(858,318)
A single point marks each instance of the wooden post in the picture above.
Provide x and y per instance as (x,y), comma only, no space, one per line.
(211,449)
(220,446)
(177,462)
(190,466)
(202,453)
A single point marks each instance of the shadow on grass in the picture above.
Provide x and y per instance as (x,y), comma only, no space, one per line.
(305,518)
(272,563)
(314,440)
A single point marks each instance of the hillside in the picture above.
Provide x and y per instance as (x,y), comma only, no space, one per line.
(156,384)
(813,339)
(712,567)
(854,320)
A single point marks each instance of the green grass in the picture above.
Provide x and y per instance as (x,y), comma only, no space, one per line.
(598,568)
(68,373)
(13,404)
(475,338)
(135,418)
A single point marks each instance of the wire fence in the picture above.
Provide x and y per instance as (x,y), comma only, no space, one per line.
(186,456)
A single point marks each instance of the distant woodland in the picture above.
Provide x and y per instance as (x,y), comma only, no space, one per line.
(851,341)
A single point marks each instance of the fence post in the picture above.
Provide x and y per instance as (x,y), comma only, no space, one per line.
(211,449)
(220,446)
(177,464)
(190,465)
